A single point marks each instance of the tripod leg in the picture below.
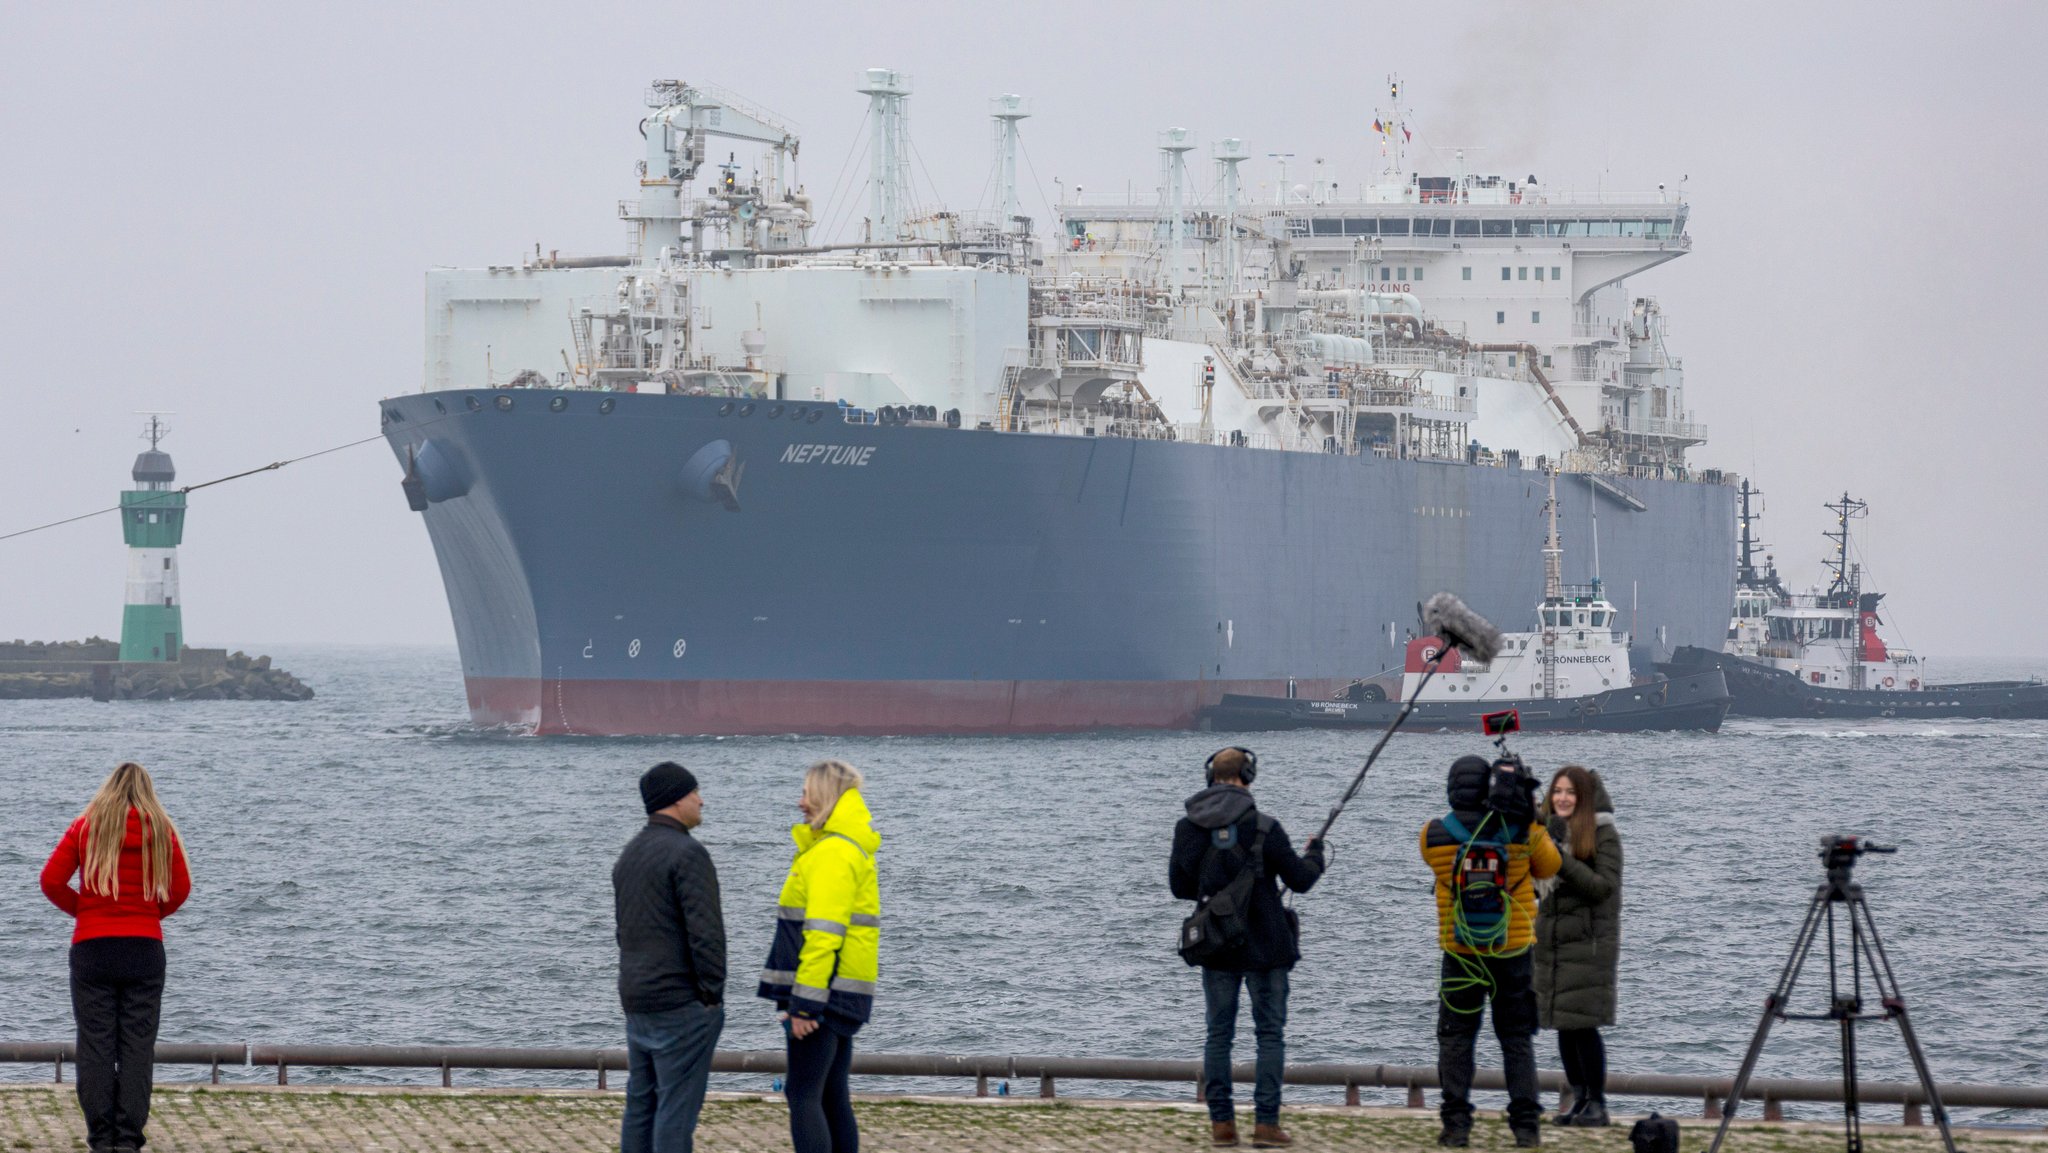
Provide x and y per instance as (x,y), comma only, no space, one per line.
(1895,1008)
(1773,1005)
(1852,1121)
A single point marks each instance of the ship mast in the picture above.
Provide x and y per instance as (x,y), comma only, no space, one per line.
(1842,583)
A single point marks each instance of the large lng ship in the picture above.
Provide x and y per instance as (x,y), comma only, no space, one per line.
(907,470)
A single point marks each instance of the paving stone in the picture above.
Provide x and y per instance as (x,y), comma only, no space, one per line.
(264,1119)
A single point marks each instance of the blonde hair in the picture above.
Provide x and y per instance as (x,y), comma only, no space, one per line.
(106,819)
(826,782)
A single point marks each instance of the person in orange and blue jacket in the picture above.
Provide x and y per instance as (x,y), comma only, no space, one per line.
(1485,855)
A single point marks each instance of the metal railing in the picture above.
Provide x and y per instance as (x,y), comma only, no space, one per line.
(1049,1071)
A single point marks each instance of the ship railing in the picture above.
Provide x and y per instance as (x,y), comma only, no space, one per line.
(1597,330)
(1518,202)
(1659,427)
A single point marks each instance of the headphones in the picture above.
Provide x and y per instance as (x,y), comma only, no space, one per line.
(1245,773)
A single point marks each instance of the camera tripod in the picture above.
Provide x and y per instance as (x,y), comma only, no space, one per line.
(1845,1002)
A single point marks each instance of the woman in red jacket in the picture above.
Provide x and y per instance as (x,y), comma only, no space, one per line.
(131,870)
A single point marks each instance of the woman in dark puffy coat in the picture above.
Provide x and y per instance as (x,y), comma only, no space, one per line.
(1578,937)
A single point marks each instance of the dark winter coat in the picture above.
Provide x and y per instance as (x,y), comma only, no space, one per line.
(671,928)
(1578,928)
(1195,872)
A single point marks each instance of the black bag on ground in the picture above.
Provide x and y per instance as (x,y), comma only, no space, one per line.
(1654,1134)
(1223,918)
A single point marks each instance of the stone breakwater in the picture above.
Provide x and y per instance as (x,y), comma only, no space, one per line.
(39,670)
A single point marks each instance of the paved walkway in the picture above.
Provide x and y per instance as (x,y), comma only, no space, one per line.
(257,1119)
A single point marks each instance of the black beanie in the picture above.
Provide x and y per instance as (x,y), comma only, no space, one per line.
(665,784)
(1471,778)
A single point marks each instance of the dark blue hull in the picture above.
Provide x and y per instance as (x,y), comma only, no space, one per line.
(1760,690)
(1691,702)
(920,579)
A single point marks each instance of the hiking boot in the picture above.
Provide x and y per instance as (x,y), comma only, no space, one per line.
(1454,1137)
(1223,1133)
(1272,1136)
(1571,1116)
(1528,1138)
(1593,1116)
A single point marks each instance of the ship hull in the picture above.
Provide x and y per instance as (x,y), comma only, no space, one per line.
(858,578)
(1759,690)
(1693,702)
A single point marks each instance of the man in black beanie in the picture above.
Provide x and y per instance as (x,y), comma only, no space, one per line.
(671,934)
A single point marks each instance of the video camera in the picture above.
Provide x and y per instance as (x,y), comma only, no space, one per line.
(1839,853)
(1513,794)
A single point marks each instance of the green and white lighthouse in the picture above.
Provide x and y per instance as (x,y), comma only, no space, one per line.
(153,521)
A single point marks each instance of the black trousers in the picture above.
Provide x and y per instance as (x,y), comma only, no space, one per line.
(820,1104)
(1465,987)
(1585,1062)
(117,993)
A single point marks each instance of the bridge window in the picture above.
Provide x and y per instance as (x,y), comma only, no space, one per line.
(1528,228)
(1323,226)
(1466,228)
(1360,227)
(1496,227)
(1393,228)
(1433,227)
(1660,228)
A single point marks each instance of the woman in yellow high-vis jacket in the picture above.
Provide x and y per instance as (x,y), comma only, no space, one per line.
(822,968)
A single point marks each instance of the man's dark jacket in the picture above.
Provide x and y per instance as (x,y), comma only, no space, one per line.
(1195,872)
(671,930)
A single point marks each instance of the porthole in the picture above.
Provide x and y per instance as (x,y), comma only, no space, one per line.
(607,404)
(796,412)
(725,409)
(473,403)
(504,403)
(774,411)
(815,414)
(440,408)
(558,404)
(747,409)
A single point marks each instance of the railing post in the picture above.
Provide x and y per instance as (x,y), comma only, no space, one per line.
(1201,1091)
(447,1080)
(600,1075)
(1773,1111)
(981,1084)
(282,1077)
(1351,1093)
(1713,1109)
(1414,1095)
(216,1069)
(1045,1088)
(1913,1114)
(60,1070)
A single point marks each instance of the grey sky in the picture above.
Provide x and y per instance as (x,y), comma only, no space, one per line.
(226,211)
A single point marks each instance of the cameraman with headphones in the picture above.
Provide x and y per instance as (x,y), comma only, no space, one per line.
(1229,857)
(1485,852)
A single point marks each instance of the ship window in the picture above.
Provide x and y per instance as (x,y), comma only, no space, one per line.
(167,564)
(609,403)
(1500,318)
(1325,226)
(1386,273)
(1522,273)
(1535,318)
(1466,228)
(1559,227)
(1511,360)
(1556,273)
(1418,272)
(1467,273)
(1393,228)
(1358,226)
(1660,228)
(152,518)
(1602,228)
(1546,361)
(1495,227)
(473,403)
(504,404)
(558,404)
(1528,228)
(1539,272)
(1506,273)
(1599,619)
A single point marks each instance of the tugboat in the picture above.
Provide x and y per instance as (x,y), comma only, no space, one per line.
(1819,653)
(1571,673)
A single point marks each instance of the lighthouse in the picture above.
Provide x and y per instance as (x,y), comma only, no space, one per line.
(153,521)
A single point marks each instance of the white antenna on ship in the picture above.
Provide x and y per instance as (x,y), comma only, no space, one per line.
(1174,147)
(1229,154)
(1007,110)
(888,93)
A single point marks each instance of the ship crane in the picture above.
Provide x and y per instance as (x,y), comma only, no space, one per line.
(684,116)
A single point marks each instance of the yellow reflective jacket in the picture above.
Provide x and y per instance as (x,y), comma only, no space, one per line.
(828,931)
(1534,857)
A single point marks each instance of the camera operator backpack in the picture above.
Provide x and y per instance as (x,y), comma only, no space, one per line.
(1654,1134)
(1479,882)
(1222,920)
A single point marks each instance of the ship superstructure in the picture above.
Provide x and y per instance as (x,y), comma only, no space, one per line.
(913,469)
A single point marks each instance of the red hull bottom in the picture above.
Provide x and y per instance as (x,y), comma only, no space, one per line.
(864,708)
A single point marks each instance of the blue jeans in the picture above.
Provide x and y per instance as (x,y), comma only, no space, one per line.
(1268,988)
(668,1063)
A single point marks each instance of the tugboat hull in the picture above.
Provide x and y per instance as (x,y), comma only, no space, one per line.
(1692,701)
(1758,690)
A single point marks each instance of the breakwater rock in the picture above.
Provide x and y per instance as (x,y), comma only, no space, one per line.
(39,670)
